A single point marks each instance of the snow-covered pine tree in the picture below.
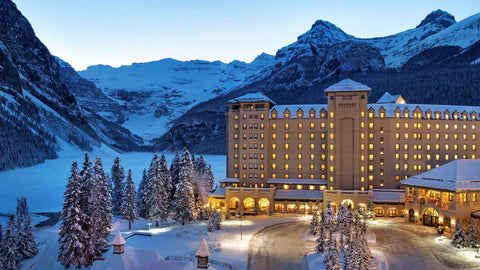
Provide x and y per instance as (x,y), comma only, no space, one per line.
(27,247)
(321,233)
(71,253)
(215,221)
(117,180)
(328,218)
(472,235)
(369,213)
(314,223)
(129,205)
(366,259)
(103,210)
(166,180)
(141,194)
(174,172)
(352,253)
(208,179)
(154,191)
(458,237)
(8,252)
(184,199)
(332,256)
(1,235)
(88,208)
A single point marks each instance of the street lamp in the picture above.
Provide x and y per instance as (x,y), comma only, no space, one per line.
(149,224)
(241,225)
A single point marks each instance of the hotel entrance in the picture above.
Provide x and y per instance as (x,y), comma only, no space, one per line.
(430,217)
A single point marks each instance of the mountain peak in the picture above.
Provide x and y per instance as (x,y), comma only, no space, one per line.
(438,17)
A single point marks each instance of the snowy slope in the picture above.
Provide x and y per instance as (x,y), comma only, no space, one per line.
(158,92)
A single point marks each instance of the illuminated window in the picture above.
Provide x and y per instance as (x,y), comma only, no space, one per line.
(406,125)
(331,158)
(362,157)
(362,135)
(286,146)
(312,114)
(235,126)
(322,125)
(299,156)
(370,157)
(370,146)
(447,147)
(299,146)
(312,146)
(312,156)
(235,136)
(287,136)
(397,166)
(235,146)
(331,114)
(382,115)
(274,136)
(287,126)
(405,167)
(370,168)
(397,156)
(286,156)
(286,167)
(397,136)
(274,126)
(362,113)
(370,115)
(331,136)
(300,125)
(331,168)
(286,114)
(299,167)
(312,125)
(405,156)
(370,125)
(397,125)
(331,146)
(362,168)
(286,186)
(300,136)
(331,124)
(274,146)
(362,124)
(312,136)
(274,166)
(405,146)
(406,136)
(312,167)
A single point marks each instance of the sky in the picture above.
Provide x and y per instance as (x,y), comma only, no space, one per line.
(121,32)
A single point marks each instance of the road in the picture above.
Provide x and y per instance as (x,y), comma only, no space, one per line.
(408,246)
(279,247)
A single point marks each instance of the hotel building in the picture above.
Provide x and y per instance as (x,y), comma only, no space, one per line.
(290,158)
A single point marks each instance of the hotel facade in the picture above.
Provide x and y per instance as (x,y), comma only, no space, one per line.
(292,158)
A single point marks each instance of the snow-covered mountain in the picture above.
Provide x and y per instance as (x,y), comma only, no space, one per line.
(155,93)
(38,112)
(322,55)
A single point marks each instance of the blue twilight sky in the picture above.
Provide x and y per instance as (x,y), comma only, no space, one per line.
(119,32)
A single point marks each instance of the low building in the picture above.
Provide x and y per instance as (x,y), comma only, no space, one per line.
(442,195)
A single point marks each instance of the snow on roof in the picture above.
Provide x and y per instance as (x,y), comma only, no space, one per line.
(388,98)
(389,196)
(203,250)
(347,85)
(456,176)
(280,109)
(230,180)
(296,194)
(253,97)
(218,192)
(133,259)
(118,240)
(390,109)
(293,181)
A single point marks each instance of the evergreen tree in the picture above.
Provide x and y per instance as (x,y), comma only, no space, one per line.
(314,223)
(154,192)
(369,213)
(328,218)
(352,253)
(129,206)
(174,172)
(102,210)
(117,179)
(200,165)
(184,202)
(208,180)
(8,252)
(472,235)
(27,247)
(141,194)
(321,233)
(458,237)
(332,257)
(1,235)
(71,247)
(166,180)
(215,221)
(88,209)
(366,262)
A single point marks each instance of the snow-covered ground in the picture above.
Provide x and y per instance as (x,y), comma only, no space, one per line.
(171,239)
(43,185)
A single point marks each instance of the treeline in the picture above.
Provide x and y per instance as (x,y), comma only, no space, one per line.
(23,144)
(18,242)
(92,198)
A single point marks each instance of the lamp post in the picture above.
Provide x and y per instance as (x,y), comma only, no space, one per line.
(149,224)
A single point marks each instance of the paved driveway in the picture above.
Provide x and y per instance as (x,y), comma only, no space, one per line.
(279,247)
(411,247)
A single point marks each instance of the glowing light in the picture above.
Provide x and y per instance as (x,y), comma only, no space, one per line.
(416,214)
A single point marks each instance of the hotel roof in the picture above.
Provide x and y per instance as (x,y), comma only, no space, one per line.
(253,97)
(347,85)
(456,176)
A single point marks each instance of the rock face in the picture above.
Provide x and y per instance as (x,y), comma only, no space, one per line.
(38,112)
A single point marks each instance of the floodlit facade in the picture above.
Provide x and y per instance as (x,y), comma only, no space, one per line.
(442,195)
(345,151)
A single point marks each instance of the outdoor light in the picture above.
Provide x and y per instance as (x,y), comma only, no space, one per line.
(149,224)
